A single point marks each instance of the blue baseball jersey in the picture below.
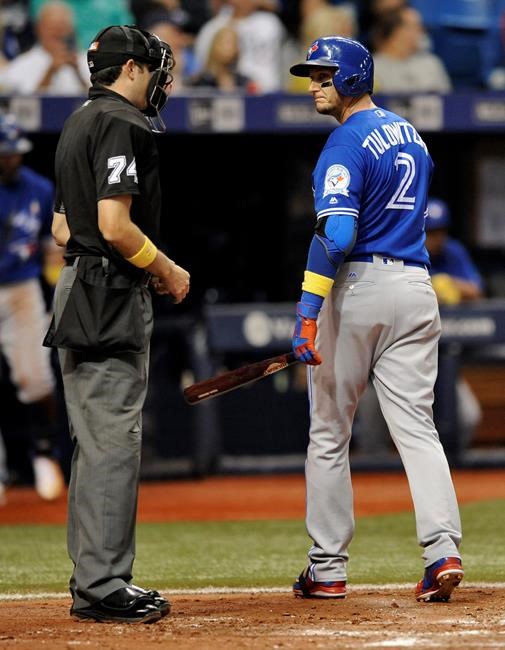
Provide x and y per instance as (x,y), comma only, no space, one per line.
(26,210)
(456,261)
(376,168)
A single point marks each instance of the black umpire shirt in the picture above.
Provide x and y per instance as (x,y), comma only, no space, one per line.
(106,149)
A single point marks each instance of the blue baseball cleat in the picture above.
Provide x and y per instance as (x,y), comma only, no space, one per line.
(440,579)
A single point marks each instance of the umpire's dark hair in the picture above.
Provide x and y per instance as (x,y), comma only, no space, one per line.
(106,76)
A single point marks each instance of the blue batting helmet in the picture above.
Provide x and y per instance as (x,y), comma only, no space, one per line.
(11,139)
(438,216)
(351,60)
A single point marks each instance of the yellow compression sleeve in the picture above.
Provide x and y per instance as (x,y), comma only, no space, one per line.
(319,284)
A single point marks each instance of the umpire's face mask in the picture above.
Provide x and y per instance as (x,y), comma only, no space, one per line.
(159,87)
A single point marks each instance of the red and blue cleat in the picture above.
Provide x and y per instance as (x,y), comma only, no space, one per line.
(440,579)
(307,587)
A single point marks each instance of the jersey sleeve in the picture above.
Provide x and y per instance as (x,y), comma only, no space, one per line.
(338,181)
(115,157)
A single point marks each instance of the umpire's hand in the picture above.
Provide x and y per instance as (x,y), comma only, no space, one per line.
(175,282)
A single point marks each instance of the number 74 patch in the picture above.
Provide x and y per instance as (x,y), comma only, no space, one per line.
(118,165)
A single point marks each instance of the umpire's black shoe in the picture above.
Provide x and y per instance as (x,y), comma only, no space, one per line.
(161,603)
(126,605)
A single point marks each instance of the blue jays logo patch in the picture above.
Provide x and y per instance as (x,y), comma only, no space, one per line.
(337,180)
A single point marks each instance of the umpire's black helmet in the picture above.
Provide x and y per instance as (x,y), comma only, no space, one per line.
(116,44)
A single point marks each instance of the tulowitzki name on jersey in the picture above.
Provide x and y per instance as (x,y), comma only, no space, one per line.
(380,140)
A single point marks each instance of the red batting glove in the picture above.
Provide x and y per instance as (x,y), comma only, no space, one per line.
(304,336)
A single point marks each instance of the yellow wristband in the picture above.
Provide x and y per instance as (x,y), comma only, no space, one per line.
(145,255)
(319,284)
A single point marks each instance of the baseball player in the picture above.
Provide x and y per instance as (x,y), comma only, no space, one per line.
(107,209)
(368,299)
(26,203)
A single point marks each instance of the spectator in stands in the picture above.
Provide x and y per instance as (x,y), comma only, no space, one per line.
(194,13)
(371,12)
(220,71)
(308,7)
(53,65)
(90,16)
(26,212)
(327,20)
(455,279)
(16,34)
(262,39)
(171,27)
(401,63)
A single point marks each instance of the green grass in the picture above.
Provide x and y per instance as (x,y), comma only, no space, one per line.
(257,554)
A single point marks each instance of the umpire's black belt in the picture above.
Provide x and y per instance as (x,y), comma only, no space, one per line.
(142,280)
(369,258)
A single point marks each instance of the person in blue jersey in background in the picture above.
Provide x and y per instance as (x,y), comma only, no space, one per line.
(454,275)
(368,309)
(26,211)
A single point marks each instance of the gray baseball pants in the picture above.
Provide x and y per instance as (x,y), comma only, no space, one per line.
(104,396)
(380,320)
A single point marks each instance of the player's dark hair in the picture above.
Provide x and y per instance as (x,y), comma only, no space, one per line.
(107,76)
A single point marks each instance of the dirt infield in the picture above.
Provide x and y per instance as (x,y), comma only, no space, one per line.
(367,618)
(475,620)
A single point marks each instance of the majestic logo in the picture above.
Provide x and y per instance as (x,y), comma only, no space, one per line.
(313,48)
(337,180)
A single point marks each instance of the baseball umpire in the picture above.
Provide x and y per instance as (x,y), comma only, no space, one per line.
(107,212)
(367,296)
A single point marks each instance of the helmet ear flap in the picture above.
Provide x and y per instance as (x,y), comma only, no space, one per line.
(352,81)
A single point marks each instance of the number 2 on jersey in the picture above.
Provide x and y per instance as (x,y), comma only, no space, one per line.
(399,200)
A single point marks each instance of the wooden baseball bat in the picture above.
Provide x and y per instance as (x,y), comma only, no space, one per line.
(232,379)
